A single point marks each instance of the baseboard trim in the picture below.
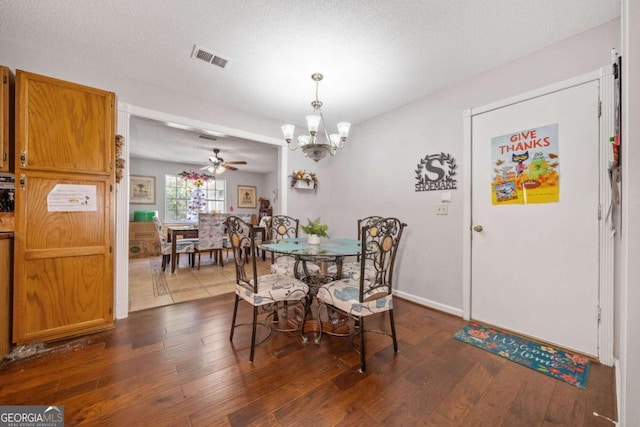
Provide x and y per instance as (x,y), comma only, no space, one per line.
(429,303)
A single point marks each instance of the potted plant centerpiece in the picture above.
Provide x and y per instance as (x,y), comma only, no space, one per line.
(314,230)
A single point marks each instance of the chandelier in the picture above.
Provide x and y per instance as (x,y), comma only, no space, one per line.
(309,144)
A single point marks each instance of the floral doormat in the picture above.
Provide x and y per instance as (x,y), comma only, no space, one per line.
(548,360)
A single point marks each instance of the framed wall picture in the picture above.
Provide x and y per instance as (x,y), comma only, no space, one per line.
(247,197)
(142,190)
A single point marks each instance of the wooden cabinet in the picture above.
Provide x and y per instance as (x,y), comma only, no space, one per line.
(5,124)
(5,292)
(64,210)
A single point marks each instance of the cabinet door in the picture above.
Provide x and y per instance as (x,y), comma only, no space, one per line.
(63,281)
(4,120)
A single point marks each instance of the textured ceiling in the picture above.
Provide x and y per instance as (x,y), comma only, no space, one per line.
(375,55)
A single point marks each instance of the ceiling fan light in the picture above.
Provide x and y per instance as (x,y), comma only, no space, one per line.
(219,169)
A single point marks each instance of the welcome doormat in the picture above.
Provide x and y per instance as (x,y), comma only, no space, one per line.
(548,360)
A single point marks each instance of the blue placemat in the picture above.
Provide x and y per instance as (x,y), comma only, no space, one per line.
(284,247)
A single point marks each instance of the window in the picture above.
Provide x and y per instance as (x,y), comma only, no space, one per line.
(183,197)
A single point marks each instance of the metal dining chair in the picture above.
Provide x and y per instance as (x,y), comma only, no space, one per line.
(352,269)
(361,298)
(286,227)
(262,292)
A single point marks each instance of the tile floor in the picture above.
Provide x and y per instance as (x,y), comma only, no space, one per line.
(150,287)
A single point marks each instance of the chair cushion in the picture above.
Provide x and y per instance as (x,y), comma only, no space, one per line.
(351,270)
(182,246)
(273,288)
(343,294)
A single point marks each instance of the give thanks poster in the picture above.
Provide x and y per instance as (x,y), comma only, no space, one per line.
(526,166)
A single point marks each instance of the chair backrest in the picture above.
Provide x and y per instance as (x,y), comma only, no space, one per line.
(283,227)
(265,222)
(210,231)
(366,221)
(161,234)
(380,242)
(241,236)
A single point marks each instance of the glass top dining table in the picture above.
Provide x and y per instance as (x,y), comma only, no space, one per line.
(332,250)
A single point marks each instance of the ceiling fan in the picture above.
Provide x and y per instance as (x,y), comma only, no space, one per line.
(217,165)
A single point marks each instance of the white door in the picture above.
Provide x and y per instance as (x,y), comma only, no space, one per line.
(534,266)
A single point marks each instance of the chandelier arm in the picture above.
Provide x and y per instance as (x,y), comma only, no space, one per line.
(293,145)
(324,128)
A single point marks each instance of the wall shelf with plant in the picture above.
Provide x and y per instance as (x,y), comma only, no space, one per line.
(304,180)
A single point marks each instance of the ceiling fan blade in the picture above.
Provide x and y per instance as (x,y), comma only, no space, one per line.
(231,168)
(209,137)
(240,162)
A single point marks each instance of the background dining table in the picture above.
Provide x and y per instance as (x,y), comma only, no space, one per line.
(191,231)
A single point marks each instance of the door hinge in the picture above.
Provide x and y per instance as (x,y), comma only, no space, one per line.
(4,156)
(599,108)
(111,188)
(23,158)
(4,79)
(599,212)
(110,249)
(599,314)
(22,178)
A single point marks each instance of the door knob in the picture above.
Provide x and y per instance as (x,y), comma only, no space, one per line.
(478,228)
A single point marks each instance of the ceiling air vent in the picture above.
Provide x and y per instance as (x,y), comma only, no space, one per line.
(209,57)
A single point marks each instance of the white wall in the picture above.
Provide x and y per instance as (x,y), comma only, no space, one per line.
(264,183)
(375,174)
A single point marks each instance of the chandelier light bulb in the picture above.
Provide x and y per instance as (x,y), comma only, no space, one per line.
(304,139)
(287,131)
(313,123)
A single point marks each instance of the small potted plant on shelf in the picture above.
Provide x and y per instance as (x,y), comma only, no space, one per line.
(314,230)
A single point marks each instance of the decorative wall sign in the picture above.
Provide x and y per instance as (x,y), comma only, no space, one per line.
(436,172)
(526,167)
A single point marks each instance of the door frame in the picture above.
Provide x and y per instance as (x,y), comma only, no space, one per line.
(606,227)
(125,112)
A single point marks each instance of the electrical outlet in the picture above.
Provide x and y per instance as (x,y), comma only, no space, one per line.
(442,209)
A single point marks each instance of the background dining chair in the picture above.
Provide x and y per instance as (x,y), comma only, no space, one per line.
(259,291)
(286,227)
(361,298)
(265,224)
(210,236)
(352,269)
(183,246)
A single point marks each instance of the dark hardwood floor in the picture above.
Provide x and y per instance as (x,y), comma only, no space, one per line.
(175,366)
